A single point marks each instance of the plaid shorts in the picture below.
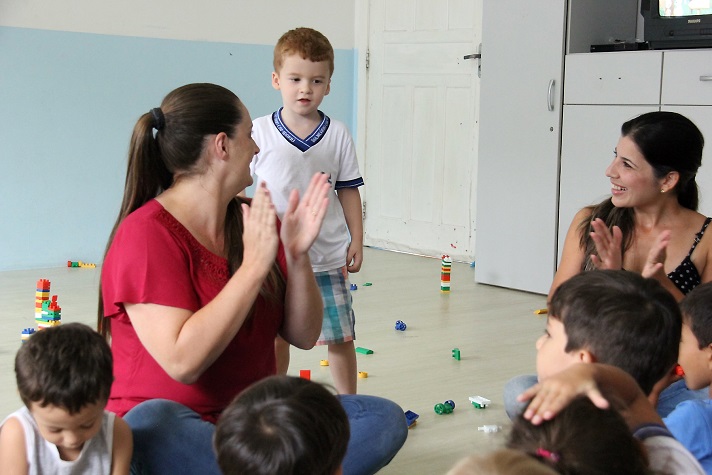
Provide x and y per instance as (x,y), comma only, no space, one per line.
(339,319)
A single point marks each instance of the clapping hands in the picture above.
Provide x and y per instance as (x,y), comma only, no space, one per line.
(302,220)
(608,245)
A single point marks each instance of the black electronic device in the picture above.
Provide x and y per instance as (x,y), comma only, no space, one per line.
(677,24)
(620,46)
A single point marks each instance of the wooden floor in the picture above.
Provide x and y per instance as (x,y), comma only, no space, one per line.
(494,329)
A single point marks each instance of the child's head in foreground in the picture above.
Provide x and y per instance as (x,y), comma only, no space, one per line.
(282,425)
(64,376)
(582,439)
(613,317)
(696,342)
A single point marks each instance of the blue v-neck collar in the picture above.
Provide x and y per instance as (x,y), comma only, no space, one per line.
(301,144)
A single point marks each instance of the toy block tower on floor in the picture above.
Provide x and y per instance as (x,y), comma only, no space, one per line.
(48,313)
(445,268)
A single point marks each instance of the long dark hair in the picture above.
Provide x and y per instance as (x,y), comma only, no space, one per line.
(186,116)
(583,440)
(669,142)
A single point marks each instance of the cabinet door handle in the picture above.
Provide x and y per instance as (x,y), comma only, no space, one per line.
(550,96)
(705,78)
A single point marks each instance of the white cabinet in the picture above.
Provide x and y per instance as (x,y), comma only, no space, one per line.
(603,90)
(520,113)
(523,50)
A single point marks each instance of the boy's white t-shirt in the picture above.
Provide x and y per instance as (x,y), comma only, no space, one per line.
(668,455)
(43,457)
(286,162)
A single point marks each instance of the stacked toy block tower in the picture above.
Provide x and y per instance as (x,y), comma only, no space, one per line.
(445,268)
(48,313)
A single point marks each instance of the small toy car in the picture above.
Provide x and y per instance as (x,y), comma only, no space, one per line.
(479,402)
(445,408)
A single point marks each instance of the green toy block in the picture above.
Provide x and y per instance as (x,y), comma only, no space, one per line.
(364,351)
(456,353)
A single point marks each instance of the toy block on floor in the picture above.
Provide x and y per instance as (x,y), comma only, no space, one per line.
(479,402)
(363,351)
(411,418)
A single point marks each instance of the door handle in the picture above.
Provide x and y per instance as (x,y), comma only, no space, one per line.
(550,96)
(478,57)
(705,78)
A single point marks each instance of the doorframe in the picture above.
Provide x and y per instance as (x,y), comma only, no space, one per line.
(361,32)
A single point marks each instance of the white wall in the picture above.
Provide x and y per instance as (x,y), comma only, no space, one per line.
(231,21)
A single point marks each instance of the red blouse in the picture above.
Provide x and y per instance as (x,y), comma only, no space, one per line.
(155,259)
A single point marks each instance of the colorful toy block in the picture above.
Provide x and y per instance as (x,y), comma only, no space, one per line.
(456,353)
(26,333)
(80,264)
(353,287)
(367,284)
(324,363)
(479,402)
(363,351)
(400,325)
(305,373)
(362,374)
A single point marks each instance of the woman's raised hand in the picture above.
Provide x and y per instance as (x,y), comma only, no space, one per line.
(608,246)
(655,262)
(302,220)
(259,235)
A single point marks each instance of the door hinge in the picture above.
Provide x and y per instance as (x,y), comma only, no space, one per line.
(368,58)
(363,211)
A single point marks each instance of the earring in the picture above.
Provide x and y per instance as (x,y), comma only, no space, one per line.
(662,190)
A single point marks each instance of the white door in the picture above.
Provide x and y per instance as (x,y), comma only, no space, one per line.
(520,116)
(421,132)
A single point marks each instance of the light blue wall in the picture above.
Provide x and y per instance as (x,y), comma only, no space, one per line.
(68,103)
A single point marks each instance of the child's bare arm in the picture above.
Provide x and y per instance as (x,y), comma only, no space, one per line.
(123,448)
(12,448)
(600,383)
(350,200)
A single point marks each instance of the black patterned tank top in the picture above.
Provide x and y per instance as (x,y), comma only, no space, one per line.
(685,276)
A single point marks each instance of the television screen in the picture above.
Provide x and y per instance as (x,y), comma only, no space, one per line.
(684,8)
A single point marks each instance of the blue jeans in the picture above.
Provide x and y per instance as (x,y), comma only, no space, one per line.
(669,398)
(170,438)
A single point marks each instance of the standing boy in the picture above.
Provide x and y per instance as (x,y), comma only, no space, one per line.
(64,376)
(295,142)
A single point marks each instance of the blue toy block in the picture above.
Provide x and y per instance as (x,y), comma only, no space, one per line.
(410,418)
